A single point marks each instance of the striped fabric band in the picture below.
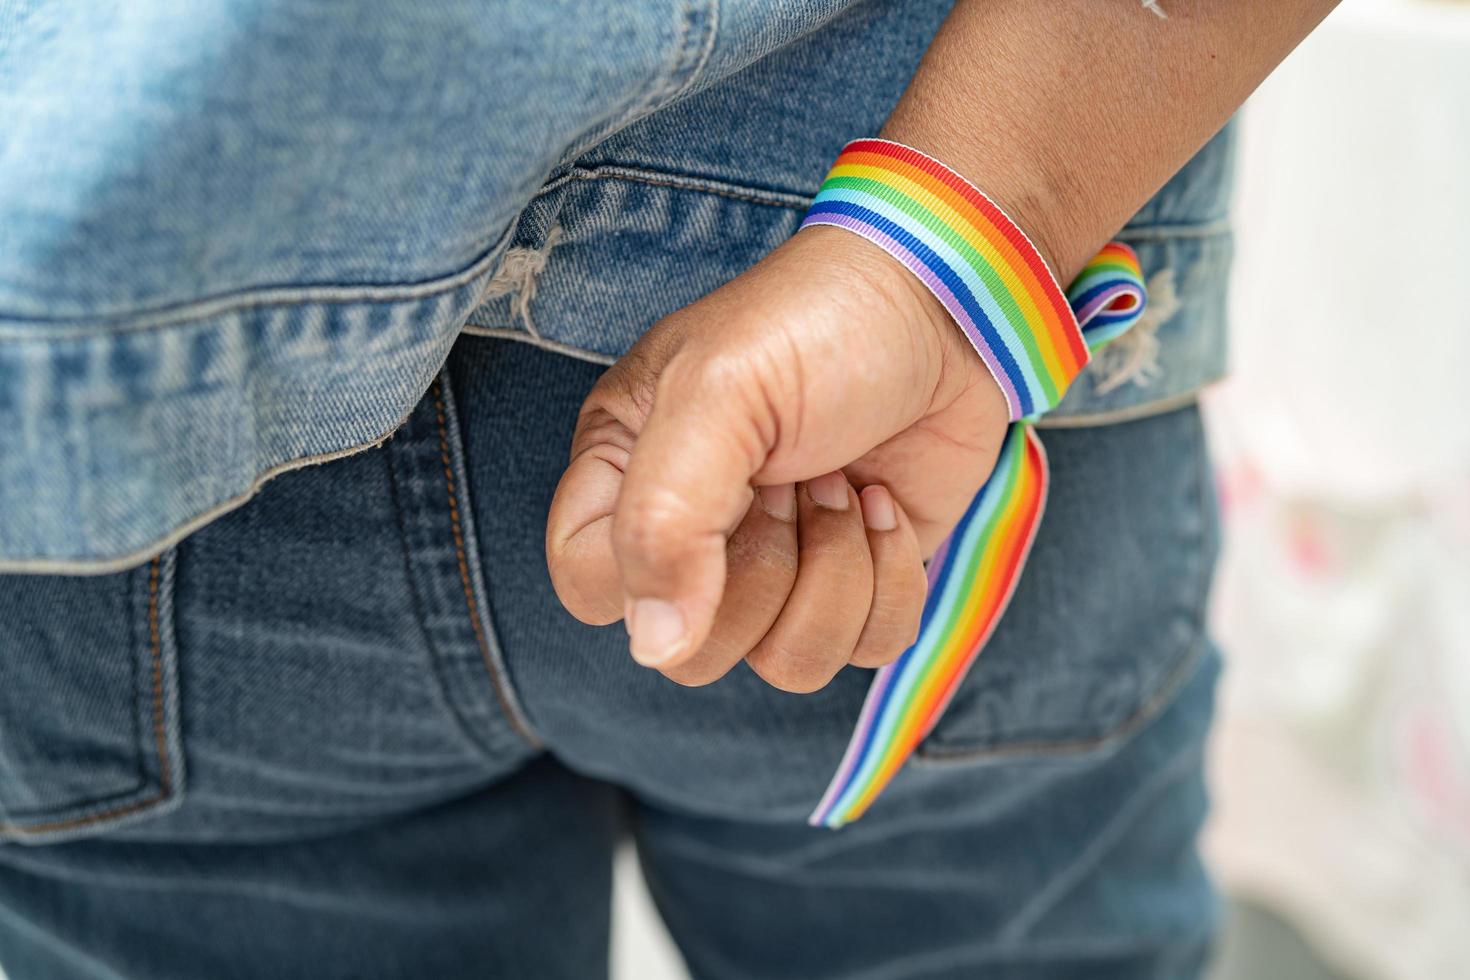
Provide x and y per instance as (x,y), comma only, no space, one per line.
(972,257)
(974,573)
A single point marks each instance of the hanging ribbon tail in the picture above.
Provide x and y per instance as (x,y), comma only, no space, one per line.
(974,573)
(971,580)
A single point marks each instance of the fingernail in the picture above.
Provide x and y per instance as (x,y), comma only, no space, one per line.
(878,511)
(829,490)
(779,501)
(656,631)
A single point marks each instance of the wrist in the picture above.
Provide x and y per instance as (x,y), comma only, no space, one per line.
(980,265)
(1040,195)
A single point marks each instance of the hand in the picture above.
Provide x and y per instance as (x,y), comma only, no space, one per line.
(827,358)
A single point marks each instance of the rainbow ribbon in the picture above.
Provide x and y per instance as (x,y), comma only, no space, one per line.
(994,282)
(972,257)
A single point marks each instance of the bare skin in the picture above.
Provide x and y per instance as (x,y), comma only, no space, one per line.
(827,369)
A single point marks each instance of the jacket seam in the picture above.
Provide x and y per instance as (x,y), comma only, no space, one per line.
(107,566)
(801,200)
(665,86)
(19,329)
(1162,405)
(675,87)
(768,197)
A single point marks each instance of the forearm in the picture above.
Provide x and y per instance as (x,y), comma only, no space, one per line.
(1072,113)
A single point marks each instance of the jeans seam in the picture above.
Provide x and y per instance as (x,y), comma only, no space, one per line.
(1058,886)
(160,735)
(498,682)
(1168,686)
(487,332)
(939,756)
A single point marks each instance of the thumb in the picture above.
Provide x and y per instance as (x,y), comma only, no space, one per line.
(686,489)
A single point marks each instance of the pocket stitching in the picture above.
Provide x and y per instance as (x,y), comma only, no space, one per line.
(1167,686)
(457,531)
(1162,697)
(165,764)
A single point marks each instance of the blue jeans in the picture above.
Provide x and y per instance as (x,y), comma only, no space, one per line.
(336,724)
(347,731)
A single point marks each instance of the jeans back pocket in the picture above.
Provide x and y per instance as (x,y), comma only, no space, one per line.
(1109,619)
(88,702)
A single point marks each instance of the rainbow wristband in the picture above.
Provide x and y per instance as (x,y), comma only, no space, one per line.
(972,257)
(896,197)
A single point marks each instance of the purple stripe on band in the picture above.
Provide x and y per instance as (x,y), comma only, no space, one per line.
(935,286)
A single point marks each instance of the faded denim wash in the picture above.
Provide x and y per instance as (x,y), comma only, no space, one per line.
(347,731)
(336,724)
(239,235)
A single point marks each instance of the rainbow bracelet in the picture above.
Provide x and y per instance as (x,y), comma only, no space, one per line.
(1004,298)
(972,257)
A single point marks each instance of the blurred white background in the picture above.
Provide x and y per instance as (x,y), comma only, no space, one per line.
(1341,765)
(1342,761)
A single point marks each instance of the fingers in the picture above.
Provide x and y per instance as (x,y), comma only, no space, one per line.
(761,568)
(862,585)
(579,550)
(899,584)
(686,489)
(819,627)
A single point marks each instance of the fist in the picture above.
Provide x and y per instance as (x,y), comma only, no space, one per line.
(763,474)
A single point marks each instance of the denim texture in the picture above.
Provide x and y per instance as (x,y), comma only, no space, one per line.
(246,236)
(347,731)
(672,206)
(336,724)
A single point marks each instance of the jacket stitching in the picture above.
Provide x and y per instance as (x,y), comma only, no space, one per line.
(194,312)
(800,201)
(711,10)
(657,178)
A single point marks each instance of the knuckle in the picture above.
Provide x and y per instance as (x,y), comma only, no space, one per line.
(599,429)
(881,643)
(898,599)
(801,684)
(843,551)
(896,614)
(773,559)
(649,524)
(580,576)
(793,673)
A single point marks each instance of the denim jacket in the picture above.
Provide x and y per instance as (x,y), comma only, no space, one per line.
(240,236)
